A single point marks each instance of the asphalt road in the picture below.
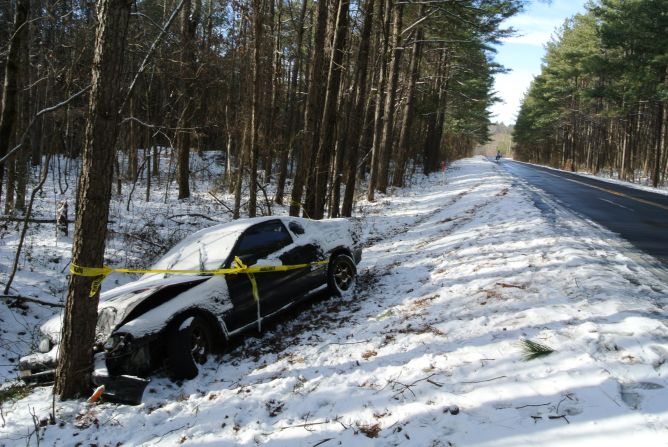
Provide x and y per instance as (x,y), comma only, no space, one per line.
(638,216)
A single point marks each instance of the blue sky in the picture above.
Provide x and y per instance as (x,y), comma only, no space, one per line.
(523,53)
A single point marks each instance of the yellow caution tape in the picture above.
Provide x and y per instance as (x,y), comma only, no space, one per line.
(100,273)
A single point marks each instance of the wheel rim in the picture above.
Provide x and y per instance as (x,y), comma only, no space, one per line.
(343,275)
(199,344)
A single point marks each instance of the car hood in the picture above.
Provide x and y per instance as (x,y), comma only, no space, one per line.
(119,303)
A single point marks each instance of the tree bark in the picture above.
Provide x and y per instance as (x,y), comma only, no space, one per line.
(9,88)
(312,114)
(662,144)
(388,123)
(432,142)
(255,108)
(317,190)
(94,193)
(190,16)
(380,104)
(414,70)
(291,114)
(357,118)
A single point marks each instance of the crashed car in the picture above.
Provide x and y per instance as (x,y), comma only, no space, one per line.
(175,321)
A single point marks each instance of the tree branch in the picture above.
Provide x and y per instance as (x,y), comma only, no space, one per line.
(27,299)
(37,115)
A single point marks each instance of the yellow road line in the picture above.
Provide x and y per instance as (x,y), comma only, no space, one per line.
(610,191)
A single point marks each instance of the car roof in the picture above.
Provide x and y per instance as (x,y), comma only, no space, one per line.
(240,225)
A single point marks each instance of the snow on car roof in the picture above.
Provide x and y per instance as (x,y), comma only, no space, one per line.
(207,249)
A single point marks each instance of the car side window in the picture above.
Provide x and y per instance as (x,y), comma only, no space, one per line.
(261,240)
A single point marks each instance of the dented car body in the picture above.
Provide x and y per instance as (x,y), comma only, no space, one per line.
(176,321)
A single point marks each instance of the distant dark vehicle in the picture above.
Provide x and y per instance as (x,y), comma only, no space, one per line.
(177,321)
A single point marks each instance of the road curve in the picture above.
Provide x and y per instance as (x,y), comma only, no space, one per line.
(640,217)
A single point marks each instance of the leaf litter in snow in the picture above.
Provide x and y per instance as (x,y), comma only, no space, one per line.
(456,272)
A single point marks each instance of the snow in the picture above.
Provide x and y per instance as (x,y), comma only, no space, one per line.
(456,271)
(211,295)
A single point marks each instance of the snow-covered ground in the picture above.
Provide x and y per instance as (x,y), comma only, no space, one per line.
(427,352)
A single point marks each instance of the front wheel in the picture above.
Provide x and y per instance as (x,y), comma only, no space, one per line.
(341,275)
(188,346)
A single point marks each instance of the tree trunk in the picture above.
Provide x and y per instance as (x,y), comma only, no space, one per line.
(276,17)
(388,124)
(23,157)
(239,177)
(132,149)
(661,145)
(380,105)
(357,118)
(283,164)
(9,88)
(94,193)
(414,68)
(317,190)
(432,142)
(255,108)
(312,114)
(190,16)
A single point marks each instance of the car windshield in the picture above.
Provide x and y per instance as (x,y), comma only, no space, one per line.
(204,250)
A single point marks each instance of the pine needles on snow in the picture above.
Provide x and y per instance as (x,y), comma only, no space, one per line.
(533,350)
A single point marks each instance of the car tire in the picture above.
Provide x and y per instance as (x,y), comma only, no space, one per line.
(341,275)
(189,345)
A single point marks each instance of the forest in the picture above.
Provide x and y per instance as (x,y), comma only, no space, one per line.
(299,100)
(601,100)
(308,95)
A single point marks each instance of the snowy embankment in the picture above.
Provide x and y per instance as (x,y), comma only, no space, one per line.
(427,352)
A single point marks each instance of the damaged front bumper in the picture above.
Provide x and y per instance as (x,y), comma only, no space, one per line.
(39,368)
(121,388)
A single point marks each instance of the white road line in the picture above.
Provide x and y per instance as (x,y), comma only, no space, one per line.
(610,191)
(617,204)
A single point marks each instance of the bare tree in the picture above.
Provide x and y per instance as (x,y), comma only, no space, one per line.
(9,89)
(190,15)
(313,112)
(94,194)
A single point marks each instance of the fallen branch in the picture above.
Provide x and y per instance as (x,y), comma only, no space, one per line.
(35,220)
(139,238)
(532,405)
(347,343)
(559,417)
(508,286)
(309,424)
(172,431)
(221,202)
(192,215)
(26,299)
(408,387)
(31,220)
(483,381)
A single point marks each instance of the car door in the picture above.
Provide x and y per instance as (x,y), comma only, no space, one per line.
(258,242)
(305,251)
